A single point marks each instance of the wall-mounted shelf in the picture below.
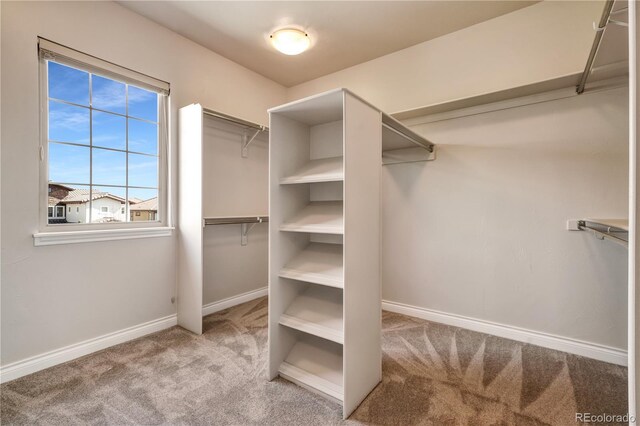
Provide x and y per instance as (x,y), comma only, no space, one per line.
(322,217)
(615,230)
(317,263)
(233,220)
(608,60)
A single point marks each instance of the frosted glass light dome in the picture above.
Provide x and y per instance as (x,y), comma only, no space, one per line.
(290,41)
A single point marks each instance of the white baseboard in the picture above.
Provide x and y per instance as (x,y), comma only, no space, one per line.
(49,359)
(559,343)
(220,305)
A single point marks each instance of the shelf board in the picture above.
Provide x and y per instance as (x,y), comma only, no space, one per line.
(318,263)
(622,224)
(315,365)
(321,217)
(317,311)
(322,170)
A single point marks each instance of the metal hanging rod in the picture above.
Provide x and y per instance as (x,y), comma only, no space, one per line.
(246,224)
(604,20)
(234,220)
(605,232)
(234,120)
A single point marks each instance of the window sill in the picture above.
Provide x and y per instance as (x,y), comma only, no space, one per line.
(73,237)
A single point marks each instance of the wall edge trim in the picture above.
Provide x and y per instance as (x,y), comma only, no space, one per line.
(220,305)
(48,359)
(573,346)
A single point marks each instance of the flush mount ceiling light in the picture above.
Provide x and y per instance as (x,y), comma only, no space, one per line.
(290,41)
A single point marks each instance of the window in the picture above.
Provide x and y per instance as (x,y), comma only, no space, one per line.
(104,136)
(55,212)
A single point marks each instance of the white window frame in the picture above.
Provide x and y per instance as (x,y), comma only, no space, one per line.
(50,234)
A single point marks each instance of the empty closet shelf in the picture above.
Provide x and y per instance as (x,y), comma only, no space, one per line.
(615,230)
(322,170)
(317,311)
(318,263)
(316,366)
(616,224)
(322,217)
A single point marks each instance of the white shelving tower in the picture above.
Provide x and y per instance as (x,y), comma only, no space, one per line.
(324,248)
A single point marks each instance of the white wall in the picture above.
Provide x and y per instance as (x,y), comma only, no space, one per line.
(481,229)
(41,312)
(113,209)
(539,42)
(77,213)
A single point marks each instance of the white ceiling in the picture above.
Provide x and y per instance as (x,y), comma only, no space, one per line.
(342,33)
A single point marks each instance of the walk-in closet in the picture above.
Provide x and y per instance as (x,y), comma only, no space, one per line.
(319,213)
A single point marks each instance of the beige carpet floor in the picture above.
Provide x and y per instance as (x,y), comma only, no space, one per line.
(432,375)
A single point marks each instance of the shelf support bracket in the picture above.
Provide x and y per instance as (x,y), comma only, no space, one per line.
(244,232)
(246,141)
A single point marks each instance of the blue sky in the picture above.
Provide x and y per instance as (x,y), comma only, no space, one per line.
(106,129)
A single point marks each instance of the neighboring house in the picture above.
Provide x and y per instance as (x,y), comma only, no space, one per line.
(69,205)
(145,210)
(104,208)
(56,206)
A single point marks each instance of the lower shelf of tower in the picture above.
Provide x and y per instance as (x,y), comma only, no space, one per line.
(315,364)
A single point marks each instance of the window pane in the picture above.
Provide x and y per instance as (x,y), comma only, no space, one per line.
(107,204)
(109,130)
(68,84)
(144,205)
(68,163)
(109,167)
(108,94)
(143,103)
(143,137)
(68,123)
(143,170)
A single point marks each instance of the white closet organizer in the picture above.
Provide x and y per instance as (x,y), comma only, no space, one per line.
(223,164)
(324,240)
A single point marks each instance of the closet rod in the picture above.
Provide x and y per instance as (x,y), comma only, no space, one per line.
(234,120)
(232,220)
(604,20)
(428,146)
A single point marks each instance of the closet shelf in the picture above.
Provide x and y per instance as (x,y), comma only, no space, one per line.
(321,217)
(615,230)
(316,366)
(318,263)
(317,311)
(621,224)
(322,170)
